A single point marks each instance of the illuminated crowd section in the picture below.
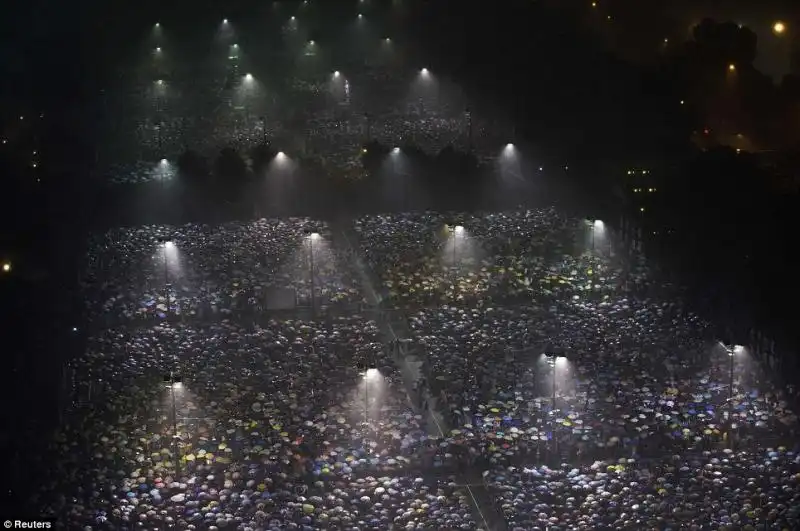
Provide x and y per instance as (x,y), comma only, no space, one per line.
(513,369)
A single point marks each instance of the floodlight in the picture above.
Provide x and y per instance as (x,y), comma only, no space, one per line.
(280,156)
(163,162)
(169,245)
(424,72)
(370,374)
(459,229)
(336,74)
(249,77)
(509,146)
(598,224)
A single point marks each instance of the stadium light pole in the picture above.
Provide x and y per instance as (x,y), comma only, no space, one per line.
(174,381)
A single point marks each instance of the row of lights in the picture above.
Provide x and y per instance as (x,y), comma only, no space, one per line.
(638,190)
(634,172)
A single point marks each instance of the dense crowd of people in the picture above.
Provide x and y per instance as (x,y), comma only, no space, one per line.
(555,369)
(296,425)
(201,271)
(600,366)
(307,110)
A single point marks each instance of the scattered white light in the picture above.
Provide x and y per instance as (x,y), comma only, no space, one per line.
(509,146)
(779,28)
(158,50)
(360,15)
(293,18)
(459,229)
(249,77)
(158,25)
(34,165)
(311,43)
(21,117)
(371,374)
(598,224)
(35,152)
(396,150)
(163,162)
(314,235)
(177,385)
(336,74)
(159,81)
(5,141)
(236,46)
(169,244)
(541,168)
(280,156)
(424,72)
(6,267)
(224,20)
(387,39)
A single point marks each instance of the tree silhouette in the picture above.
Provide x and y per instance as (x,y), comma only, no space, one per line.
(193,168)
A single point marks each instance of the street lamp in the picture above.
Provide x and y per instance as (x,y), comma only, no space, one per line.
(369,374)
(174,381)
(166,244)
(779,28)
(554,361)
(732,352)
(7,267)
(312,235)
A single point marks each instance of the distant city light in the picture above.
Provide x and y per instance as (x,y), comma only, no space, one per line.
(779,27)
(6,267)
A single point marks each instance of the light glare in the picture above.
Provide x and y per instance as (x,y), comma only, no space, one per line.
(169,244)
(6,267)
(371,374)
(779,27)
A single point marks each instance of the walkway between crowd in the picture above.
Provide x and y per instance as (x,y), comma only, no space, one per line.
(411,369)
